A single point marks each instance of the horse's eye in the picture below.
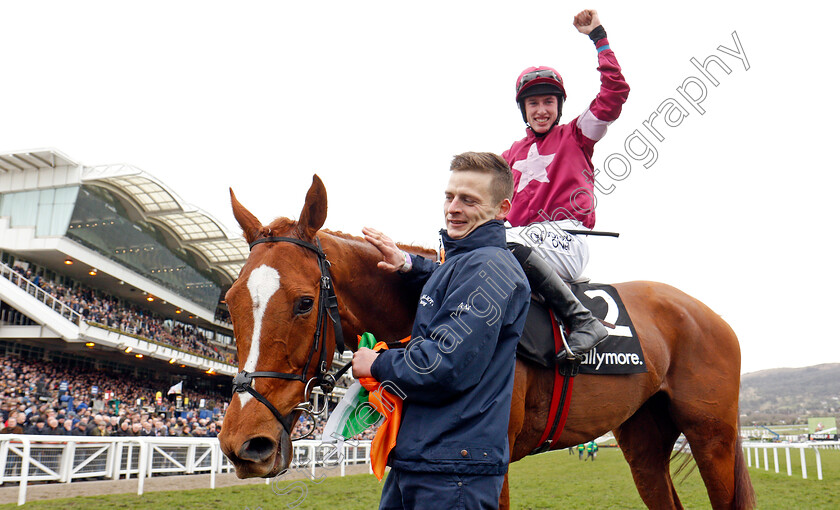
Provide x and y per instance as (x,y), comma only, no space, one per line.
(304,305)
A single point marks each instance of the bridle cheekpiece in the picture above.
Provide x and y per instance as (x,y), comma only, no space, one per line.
(327,308)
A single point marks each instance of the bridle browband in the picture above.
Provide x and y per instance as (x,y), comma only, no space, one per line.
(327,307)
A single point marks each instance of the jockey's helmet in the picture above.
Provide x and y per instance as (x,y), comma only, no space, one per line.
(540,81)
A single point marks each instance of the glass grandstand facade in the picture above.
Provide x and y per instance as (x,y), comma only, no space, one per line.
(100,222)
(48,210)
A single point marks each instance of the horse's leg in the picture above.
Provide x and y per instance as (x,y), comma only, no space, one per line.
(704,405)
(715,446)
(701,383)
(647,439)
(517,418)
(504,499)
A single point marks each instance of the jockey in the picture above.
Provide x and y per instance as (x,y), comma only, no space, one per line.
(553,174)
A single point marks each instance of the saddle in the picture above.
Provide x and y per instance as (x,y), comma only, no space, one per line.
(620,353)
(541,339)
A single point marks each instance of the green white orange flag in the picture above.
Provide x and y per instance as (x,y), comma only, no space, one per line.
(361,407)
(353,414)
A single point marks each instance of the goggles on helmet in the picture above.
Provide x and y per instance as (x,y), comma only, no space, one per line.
(533,75)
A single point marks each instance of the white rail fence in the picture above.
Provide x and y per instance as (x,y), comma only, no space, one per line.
(68,459)
(751,451)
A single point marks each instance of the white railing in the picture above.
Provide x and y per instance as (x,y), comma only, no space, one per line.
(65,459)
(40,294)
(752,450)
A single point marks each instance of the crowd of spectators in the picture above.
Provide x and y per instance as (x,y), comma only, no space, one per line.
(101,308)
(38,397)
(44,398)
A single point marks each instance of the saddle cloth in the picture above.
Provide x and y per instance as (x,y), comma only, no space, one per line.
(620,353)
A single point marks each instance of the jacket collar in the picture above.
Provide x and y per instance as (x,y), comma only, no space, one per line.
(491,233)
(533,135)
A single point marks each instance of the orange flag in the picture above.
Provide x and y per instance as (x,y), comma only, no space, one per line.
(386,435)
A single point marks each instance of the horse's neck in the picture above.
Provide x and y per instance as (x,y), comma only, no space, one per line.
(370,299)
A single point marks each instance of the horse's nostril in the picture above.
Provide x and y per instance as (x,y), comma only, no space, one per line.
(258,449)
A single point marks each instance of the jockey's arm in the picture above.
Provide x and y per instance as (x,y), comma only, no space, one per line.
(606,107)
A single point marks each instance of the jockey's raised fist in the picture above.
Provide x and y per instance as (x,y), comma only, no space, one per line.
(587,20)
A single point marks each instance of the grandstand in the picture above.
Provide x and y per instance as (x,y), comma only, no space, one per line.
(105,267)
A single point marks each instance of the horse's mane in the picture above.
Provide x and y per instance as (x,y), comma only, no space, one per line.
(285,225)
(411,248)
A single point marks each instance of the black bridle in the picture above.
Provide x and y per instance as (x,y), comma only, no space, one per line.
(327,307)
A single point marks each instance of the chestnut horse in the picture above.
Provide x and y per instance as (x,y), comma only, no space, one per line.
(692,355)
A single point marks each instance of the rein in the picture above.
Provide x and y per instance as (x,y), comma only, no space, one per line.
(327,308)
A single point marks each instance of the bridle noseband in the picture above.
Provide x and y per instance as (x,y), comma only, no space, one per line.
(327,307)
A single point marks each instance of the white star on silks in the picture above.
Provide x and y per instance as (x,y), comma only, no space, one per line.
(533,168)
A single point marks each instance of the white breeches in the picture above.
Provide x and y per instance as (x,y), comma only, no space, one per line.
(567,253)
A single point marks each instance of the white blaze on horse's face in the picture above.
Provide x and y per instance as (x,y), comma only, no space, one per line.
(263,282)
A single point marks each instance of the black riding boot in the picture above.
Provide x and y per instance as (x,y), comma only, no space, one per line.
(585,330)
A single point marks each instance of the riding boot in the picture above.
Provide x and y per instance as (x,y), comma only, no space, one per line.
(585,330)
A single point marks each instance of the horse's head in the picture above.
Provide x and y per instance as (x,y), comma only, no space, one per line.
(275,305)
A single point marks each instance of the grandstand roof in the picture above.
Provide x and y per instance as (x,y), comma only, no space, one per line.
(192,228)
(195,229)
(20,161)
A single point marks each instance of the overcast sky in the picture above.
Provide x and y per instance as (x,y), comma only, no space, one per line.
(739,209)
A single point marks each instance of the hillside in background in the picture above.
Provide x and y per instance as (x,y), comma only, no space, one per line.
(790,395)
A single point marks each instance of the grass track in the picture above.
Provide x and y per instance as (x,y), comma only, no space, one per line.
(547,481)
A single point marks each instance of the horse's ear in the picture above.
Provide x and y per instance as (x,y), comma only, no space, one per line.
(250,224)
(314,212)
